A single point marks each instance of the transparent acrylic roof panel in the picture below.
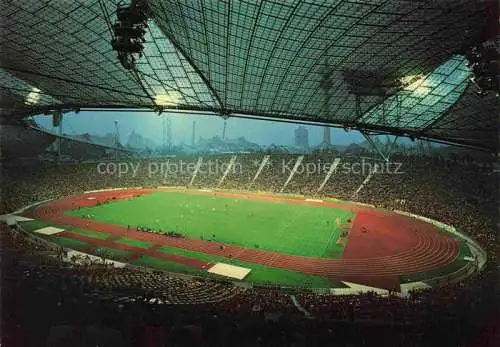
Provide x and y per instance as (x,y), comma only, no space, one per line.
(63,48)
(260,57)
(66,42)
(423,100)
(473,118)
(168,76)
(268,56)
(31,96)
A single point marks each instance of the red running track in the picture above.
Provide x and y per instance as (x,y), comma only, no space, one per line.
(392,244)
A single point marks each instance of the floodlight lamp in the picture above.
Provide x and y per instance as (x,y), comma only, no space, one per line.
(33,96)
(129,33)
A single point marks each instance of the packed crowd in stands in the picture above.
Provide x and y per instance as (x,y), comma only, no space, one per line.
(48,302)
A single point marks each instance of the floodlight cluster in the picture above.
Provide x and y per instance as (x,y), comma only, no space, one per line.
(130,30)
(484,64)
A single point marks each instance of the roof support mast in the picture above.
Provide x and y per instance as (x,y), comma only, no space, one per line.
(57,119)
(374,145)
(360,90)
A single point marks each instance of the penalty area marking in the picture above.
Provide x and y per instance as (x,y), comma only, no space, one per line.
(228,270)
(49,231)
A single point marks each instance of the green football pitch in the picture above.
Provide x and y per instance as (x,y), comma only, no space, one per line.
(277,226)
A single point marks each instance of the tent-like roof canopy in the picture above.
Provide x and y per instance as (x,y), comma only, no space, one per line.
(392,66)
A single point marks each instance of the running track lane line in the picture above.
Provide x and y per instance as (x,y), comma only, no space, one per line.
(153,251)
(429,252)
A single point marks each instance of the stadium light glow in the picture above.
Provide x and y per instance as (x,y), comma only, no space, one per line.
(418,84)
(423,96)
(166,100)
(33,96)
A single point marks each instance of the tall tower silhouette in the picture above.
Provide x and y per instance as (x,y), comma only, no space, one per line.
(327,135)
(224,130)
(193,133)
(117,135)
(169,134)
(164,137)
(57,121)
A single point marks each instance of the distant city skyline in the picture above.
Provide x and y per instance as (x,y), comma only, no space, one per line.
(150,126)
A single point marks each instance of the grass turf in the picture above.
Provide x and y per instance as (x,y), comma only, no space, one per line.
(275,226)
(259,275)
(90,233)
(38,224)
(111,253)
(162,264)
(68,243)
(33,225)
(134,243)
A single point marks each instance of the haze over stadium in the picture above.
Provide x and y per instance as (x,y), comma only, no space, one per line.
(249,173)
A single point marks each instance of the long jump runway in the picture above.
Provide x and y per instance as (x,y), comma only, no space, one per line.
(390,246)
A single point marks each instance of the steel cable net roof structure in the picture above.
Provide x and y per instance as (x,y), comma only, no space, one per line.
(385,66)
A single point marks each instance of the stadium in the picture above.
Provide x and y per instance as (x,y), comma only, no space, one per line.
(243,239)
